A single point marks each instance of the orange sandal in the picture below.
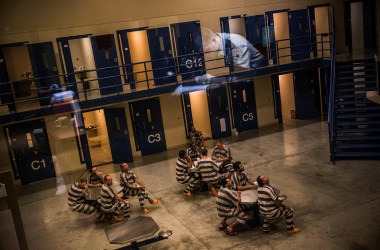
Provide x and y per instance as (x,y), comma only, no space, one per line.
(230,233)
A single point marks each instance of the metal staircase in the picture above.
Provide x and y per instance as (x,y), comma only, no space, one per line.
(356,120)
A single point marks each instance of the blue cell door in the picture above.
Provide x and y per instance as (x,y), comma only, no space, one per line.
(299,34)
(270,34)
(147,126)
(306,93)
(67,62)
(255,30)
(244,105)
(28,145)
(6,95)
(225,28)
(161,55)
(107,65)
(219,111)
(44,66)
(118,135)
(188,43)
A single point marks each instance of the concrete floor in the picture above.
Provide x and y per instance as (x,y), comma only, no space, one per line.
(336,206)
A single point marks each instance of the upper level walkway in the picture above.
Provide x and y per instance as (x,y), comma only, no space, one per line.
(85,93)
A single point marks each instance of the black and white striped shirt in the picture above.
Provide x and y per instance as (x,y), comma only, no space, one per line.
(107,200)
(266,198)
(209,170)
(128,178)
(95,179)
(226,202)
(181,169)
(193,154)
(76,195)
(238,179)
(221,152)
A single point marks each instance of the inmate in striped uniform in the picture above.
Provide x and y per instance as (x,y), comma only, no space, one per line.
(226,204)
(270,210)
(184,177)
(109,205)
(193,154)
(78,203)
(209,171)
(95,179)
(238,179)
(130,179)
(221,152)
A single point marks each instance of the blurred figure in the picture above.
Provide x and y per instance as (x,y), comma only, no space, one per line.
(196,137)
(95,178)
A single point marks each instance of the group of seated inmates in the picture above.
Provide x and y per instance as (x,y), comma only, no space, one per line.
(194,166)
(111,205)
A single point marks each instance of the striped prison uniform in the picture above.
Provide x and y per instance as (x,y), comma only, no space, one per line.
(130,179)
(94,179)
(223,152)
(209,171)
(109,205)
(226,204)
(196,137)
(193,154)
(269,210)
(184,177)
(78,203)
(240,179)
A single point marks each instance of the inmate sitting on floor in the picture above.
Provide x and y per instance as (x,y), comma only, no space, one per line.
(95,178)
(209,172)
(132,186)
(183,175)
(111,203)
(77,201)
(271,207)
(228,205)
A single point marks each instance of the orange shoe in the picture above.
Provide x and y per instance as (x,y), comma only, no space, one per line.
(116,220)
(187,193)
(266,230)
(153,202)
(144,210)
(214,192)
(294,230)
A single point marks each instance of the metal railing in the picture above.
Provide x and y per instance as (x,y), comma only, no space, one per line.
(331,106)
(81,93)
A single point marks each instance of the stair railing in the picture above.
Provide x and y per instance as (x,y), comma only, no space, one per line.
(377,74)
(331,107)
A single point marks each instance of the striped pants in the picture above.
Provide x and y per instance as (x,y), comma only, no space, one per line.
(193,183)
(120,207)
(278,213)
(140,193)
(89,207)
(241,216)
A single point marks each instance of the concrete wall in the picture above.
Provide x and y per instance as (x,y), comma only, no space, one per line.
(200,112)
(287,94)
(172,118)
(63,144)
(47,20)
(264,101)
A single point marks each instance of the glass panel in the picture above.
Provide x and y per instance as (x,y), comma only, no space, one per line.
(162,47)
(45,60)
(29,139)
(244,96)
(117,122)
(149,115)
